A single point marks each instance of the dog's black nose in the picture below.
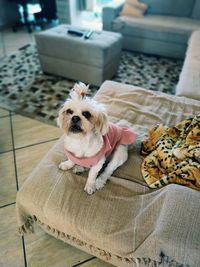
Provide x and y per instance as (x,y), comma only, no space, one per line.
(76,119)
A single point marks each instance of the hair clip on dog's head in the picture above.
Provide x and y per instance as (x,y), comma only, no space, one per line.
(79,91)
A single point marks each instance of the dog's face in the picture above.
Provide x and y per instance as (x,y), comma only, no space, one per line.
(79,117)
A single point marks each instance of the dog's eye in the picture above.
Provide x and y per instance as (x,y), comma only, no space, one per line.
(86,114)
(69,111)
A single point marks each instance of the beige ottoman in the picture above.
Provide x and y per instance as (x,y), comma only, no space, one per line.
(90,60)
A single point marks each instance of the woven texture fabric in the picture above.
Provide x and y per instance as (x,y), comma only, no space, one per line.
(125,223)
(172,155)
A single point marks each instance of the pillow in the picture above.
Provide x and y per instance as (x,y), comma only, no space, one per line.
(133,8)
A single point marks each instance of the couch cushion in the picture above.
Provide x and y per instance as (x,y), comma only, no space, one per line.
(196,10)
(189,80)
(125,223)
(166,29)
(170,7)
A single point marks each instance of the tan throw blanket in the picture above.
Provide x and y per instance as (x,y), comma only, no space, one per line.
(126,223)
(172,155)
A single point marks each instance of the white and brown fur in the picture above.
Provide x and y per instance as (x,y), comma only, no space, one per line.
(85,122)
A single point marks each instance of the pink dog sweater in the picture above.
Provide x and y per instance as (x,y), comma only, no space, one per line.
(116,136)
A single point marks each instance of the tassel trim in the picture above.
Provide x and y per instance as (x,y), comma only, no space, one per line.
(165,261)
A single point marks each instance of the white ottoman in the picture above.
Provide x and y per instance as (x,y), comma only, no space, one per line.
(90,60)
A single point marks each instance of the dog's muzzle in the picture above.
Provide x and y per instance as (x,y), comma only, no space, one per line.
(75,124)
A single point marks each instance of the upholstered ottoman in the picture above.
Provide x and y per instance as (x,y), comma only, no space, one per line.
(90,60)
(126,223)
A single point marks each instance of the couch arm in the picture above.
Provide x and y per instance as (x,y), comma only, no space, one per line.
(189,80)
(110,12)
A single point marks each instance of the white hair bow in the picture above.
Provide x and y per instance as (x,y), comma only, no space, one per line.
(79,90)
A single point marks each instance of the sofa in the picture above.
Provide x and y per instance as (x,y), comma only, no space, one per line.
(164,30)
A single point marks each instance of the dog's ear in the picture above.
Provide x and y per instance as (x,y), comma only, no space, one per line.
(60,118)
(59,122)
(101,124)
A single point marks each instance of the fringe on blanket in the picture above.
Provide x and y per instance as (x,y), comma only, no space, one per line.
(165,261)
(28,227)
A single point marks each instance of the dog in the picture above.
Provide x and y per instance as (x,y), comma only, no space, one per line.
(90,139)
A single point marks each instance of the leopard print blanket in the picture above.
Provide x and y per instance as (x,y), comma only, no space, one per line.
(172,155)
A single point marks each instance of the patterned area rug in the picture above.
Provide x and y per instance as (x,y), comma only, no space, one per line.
(24,88)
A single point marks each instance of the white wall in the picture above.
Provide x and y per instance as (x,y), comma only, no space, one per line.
(68,12)
(75,13)
(63,11)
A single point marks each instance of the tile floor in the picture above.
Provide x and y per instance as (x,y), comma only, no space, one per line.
(23,142)
(11,41)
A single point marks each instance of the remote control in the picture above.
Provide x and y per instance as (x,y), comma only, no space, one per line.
(88,34)
(75,32)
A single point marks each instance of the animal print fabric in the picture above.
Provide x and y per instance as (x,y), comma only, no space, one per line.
(172,155)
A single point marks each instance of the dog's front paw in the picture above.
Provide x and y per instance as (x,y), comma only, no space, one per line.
(101,181)
(90,188)
(65,165)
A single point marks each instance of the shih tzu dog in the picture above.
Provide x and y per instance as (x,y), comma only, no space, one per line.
(90,140)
